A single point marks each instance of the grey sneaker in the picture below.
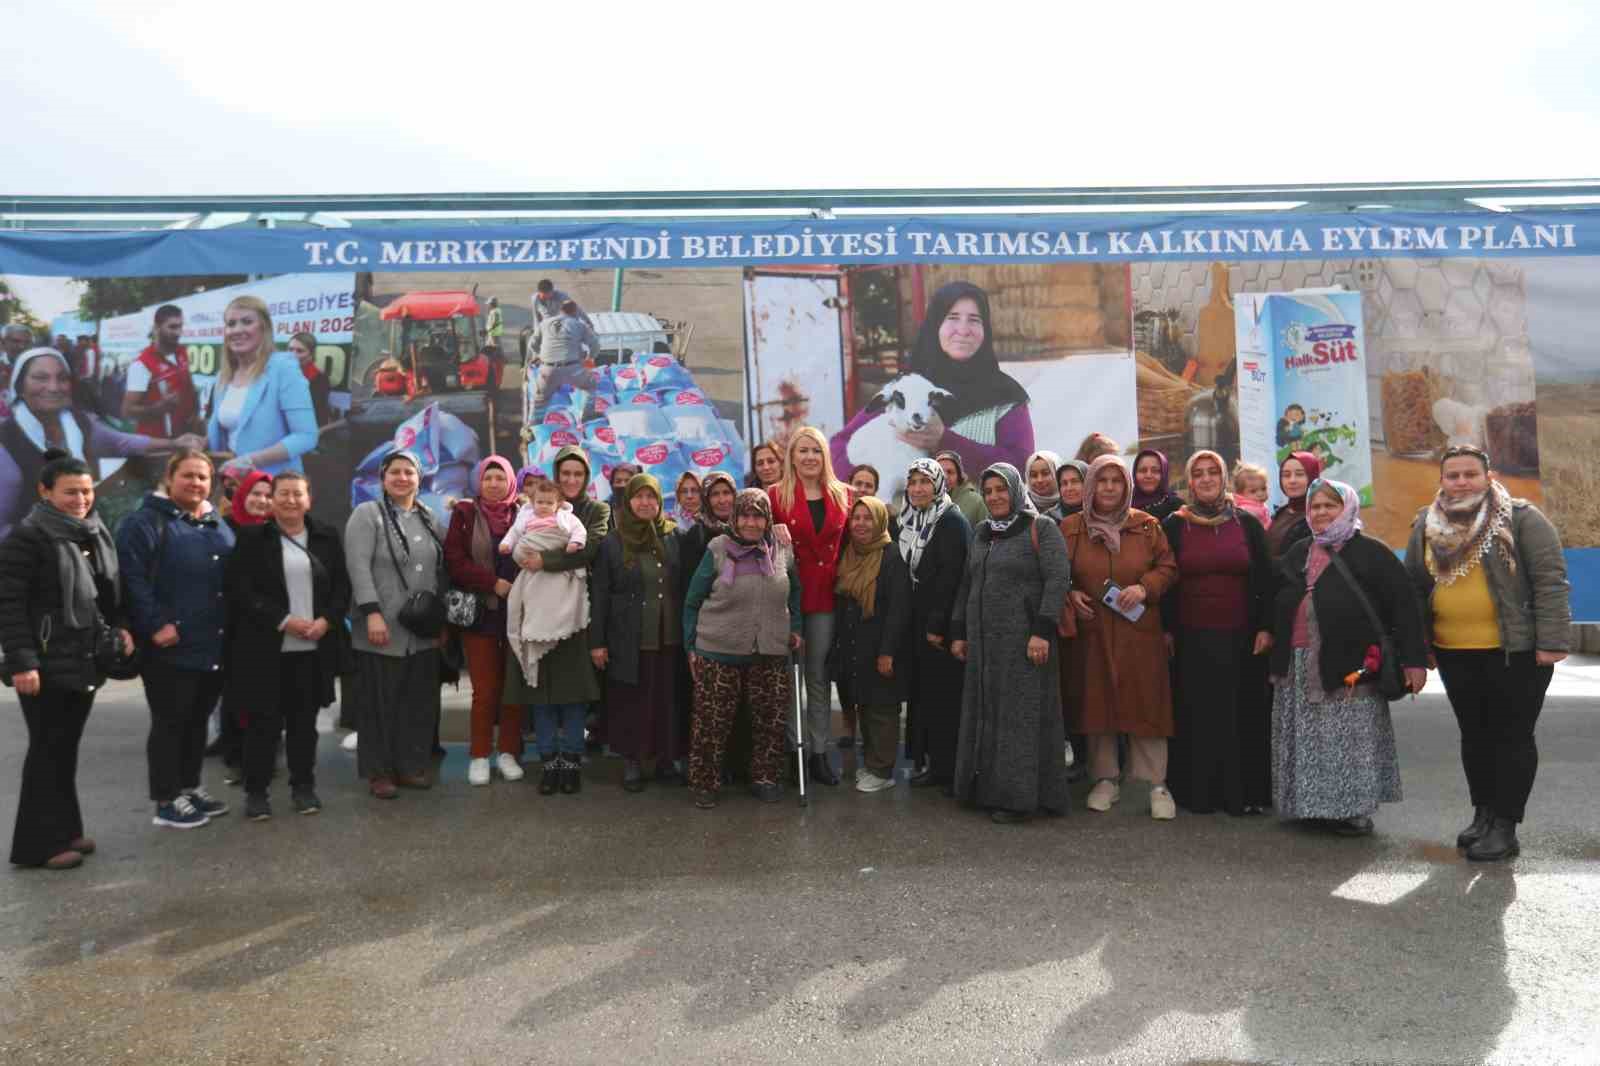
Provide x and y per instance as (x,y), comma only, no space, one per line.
(206,803)
(257,807)
(305,801)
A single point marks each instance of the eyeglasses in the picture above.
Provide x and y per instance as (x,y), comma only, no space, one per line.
(1456,451)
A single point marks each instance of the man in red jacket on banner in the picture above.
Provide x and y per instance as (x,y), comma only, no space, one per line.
(160,393)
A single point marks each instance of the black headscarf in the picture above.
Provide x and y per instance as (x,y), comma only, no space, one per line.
(977,383)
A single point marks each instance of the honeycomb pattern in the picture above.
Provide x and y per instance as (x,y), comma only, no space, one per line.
(1464,299)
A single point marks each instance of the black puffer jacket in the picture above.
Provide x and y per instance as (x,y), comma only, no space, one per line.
(32,629)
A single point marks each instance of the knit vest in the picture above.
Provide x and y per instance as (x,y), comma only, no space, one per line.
(751,617)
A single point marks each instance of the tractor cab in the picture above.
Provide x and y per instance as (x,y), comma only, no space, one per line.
(434,337)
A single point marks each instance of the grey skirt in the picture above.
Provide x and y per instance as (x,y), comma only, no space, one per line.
(397,707)
(1334,758)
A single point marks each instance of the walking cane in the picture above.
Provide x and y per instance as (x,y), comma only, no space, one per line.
(799,727)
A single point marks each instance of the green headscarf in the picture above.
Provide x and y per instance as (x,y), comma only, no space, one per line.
(639,536)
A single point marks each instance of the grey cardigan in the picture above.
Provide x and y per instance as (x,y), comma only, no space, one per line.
(1534,604)
(375,583)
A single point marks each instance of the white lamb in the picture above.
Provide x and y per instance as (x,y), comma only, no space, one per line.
(907,402)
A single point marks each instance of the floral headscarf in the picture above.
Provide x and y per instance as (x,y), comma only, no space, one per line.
(917,525)
(1349,521)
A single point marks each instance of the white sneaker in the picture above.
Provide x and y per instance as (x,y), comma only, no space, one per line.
(1162,807)
(1103,795)
(478,772)
(508,766)
(349,742)
(867,781)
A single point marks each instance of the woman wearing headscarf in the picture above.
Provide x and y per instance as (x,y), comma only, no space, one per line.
(291,593)
(1070,476)
(477,525)
(1152,485)
(1333,753)
(1295,475)
(715,518)
(391,551)
(813,504)
(687,498)
(1008,757)
(962,491)
(620,475)
(1489,570)
(933,539)
(1043,490)
(249,507)
(986,419)
(636,631)
(1218,623)
(567,681)
(43,417)
(741,619)
(870,658)
(59,602)
(1114,677)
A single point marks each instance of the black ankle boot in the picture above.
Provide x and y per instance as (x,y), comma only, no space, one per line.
(821,771)
(550,780)
(1481,819)
(1500,842)
(571,777)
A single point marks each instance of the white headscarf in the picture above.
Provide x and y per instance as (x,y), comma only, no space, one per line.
(1043,503)
(27,420)
(917,525)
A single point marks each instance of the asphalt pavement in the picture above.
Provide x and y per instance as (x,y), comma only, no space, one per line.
(468,925)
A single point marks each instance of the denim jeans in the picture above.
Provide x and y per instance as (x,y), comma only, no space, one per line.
(568,717)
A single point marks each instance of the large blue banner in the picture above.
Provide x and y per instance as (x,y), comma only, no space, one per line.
(945,239)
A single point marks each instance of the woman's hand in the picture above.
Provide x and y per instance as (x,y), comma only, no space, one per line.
(1082,605)
(797,643)
(127,641)
(27,682)
(316,629)
(1416,678)
(189,440)
(936,640)
(502,587)
(958,648)
(533,562)
(1263,643)
(928,437)
(1038,651)
(886,666)
(600,657)
(696,662)
(781,534)
(1131,597)
(1548,658)
(166,636)
(377,630)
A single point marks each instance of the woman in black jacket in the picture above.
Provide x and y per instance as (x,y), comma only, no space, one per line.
(1333,751)
(290,591)
(871,654)
(58,599)
(932,536)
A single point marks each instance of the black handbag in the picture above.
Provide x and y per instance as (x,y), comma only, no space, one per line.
(109,656)
(1391,679)
(423,612)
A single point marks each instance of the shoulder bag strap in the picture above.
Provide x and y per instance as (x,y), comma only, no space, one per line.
(1361,595)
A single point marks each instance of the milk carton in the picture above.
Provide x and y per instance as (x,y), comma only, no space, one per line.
(1302,381)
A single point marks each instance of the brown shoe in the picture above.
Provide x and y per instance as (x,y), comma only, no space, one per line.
(64,861)
(383,788)
(412,781)
(83,846)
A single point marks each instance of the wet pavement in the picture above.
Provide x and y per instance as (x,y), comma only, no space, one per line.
(469,925)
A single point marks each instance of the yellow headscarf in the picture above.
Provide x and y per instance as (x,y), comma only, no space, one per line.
(858,570)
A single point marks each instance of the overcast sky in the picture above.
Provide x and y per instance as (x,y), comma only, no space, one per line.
(182,97)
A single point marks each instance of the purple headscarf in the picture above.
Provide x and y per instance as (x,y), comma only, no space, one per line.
(1142,499)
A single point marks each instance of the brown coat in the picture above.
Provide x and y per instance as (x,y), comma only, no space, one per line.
(1114,672)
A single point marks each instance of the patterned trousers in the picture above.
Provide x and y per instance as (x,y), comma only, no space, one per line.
(766,687)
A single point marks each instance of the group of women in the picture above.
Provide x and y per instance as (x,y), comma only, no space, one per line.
(1225,664)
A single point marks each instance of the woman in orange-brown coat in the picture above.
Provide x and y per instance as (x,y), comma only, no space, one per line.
(1114,676)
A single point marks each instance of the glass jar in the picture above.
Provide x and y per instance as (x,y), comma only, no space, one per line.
(1413,381)
(1511,426)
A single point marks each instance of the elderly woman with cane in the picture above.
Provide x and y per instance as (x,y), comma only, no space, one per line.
(741,619)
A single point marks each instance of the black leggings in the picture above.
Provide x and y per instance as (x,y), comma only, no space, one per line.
(1497,699)
(48,818)
(180,702)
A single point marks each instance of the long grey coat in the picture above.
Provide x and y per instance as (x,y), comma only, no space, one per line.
(374,578)
(1011,751)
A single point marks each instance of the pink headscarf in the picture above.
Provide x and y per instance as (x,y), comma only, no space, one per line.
(1107,529)
(500,514)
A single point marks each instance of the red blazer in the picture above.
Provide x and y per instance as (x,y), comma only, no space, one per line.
(816,553)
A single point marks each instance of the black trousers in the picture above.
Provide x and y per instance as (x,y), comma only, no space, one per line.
(294,716)
(1497,703)
(48,818)
(180,702)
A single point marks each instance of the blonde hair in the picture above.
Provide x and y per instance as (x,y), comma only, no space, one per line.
(256,306)
(1242,471)
(791,480)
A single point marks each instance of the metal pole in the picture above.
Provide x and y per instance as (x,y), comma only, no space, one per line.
(799,730)
(616,290)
